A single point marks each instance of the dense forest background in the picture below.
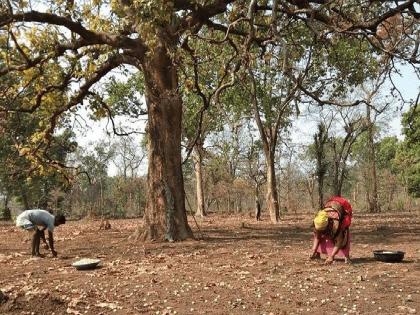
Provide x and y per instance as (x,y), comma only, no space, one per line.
(113,181)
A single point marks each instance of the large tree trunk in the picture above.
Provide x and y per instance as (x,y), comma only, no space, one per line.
(320,192)
(272,198)
(320,139)
(336,170)
(165,216)
(372,181)
(198,168)
(257,202)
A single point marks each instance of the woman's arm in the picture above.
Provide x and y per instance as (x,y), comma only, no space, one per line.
(339,242)
(315,245)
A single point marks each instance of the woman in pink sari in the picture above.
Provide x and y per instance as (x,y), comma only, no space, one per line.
(331,230)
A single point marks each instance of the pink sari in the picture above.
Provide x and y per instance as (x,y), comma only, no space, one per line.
(326,246)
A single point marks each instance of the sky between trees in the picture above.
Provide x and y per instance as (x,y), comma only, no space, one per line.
(301,133)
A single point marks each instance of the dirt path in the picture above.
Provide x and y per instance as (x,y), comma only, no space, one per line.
(239,267)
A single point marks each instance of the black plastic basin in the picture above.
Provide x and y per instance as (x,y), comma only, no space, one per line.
(388,255)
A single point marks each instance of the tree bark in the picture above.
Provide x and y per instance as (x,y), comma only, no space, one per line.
(272,198)
(268,137)
(372,181)
(321,138)
(6,214)
(310,186)
(341,151)
(321,192)
(165,215)
(257,202)
(198,168)
(336,173)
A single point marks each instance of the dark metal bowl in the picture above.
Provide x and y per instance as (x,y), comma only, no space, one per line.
(388,255)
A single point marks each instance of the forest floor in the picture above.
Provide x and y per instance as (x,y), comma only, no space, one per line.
(239,266)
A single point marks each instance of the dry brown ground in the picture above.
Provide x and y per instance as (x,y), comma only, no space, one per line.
(239,267)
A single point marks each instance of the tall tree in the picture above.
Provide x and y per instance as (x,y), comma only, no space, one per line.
(376,104)
(203,81)
(408,154)
(271,96)
(333,145)
(371,93)
(255,169)
(341,149)
(95,165)
(128,157)
(228,146)
(320,141)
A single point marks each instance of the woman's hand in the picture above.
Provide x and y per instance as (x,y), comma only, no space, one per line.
(329,260)
(315,256)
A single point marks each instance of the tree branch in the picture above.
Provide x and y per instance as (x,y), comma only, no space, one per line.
(91,37)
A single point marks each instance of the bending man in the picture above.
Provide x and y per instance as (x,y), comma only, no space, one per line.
(37,221)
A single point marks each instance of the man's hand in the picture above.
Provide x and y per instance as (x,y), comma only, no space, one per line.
(54,253)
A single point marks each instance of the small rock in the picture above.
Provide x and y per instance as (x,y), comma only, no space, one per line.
(3,298)
(72,311)
(409,298)
(407,310)
(360,278)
